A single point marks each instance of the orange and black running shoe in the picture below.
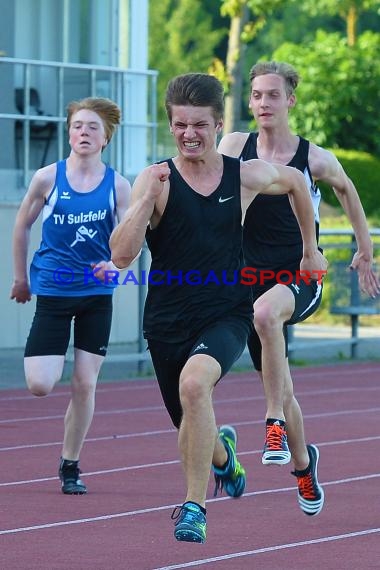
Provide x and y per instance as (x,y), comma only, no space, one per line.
(310,494)
(276,450)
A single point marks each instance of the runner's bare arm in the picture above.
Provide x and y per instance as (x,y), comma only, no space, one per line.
(31,206)
(325,166)
(128,237)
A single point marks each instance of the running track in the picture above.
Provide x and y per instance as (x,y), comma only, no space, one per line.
(131,467)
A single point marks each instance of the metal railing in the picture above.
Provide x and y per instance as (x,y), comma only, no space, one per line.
(346,298)
(58,83)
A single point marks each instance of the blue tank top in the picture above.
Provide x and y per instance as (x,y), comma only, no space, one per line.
(76,227)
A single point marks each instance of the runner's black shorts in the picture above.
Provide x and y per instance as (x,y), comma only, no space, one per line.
(224,340)
(307,298)
(51,327)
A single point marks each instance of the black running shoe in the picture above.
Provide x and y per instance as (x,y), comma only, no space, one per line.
(69,474)
(310,494)
(276,450)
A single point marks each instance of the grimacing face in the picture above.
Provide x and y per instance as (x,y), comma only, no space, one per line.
(194,130)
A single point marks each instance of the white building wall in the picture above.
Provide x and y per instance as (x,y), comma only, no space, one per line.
(15,319)
(44,40)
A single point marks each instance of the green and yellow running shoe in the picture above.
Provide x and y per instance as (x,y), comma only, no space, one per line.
(232,477)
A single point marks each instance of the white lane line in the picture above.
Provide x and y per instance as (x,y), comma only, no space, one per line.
(274,548)
(172,430)
(165,507)
(217,402)
(299,374)
(102,472)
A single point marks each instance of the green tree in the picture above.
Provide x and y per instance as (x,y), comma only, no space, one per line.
(247,18)
(181,39)
(364,170)
(339,91)
(339,108)
(348,10)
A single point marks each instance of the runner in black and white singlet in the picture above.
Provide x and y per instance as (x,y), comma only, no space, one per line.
(80,200)
(272,238)
(193,206)
(273,242)
(273,246)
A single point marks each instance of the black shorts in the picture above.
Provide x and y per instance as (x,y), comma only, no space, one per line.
(224,340)
(51,326)
(307,300)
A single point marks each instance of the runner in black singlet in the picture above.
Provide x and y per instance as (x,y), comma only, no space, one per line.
(198,313)
(272,243)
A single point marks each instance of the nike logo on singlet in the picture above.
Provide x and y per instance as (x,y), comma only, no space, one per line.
(221,200)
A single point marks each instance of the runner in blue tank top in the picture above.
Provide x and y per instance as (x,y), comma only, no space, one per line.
(272,241)
(197,317)
(81,199)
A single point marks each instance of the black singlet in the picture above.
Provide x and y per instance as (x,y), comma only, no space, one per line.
(272,238)
(196,257)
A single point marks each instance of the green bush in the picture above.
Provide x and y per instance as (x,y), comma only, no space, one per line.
(364,171)
(336,288)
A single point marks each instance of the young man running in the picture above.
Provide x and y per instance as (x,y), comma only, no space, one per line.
(81,199)
(198,313)
(273,243)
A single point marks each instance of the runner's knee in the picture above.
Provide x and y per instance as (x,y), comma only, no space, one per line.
(192,390)
(40,386)
(265,319)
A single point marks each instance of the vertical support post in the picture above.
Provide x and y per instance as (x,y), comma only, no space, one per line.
(355,302)
(354,335)
(26,127)
(290,332)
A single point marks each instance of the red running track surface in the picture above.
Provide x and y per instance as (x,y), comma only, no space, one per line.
(130,465)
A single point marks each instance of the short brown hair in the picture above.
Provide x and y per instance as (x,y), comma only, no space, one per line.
(107,110)
(198,90)
(285,70)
